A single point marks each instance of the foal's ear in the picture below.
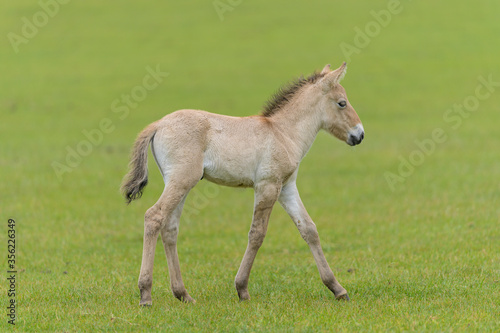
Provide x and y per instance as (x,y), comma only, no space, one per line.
(334,77)
(340,72)
(325,70)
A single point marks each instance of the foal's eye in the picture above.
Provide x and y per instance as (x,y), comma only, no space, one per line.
(342,104)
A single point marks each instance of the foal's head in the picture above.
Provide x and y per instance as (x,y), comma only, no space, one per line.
(338,115)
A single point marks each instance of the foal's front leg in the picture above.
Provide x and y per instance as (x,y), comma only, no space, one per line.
(291,202)
(265,197)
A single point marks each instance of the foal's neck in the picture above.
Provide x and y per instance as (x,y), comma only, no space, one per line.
(299,121)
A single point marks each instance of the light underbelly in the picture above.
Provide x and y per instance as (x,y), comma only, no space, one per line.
(229,174)
(228,182)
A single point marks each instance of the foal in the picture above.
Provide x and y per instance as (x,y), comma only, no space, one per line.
(263,152)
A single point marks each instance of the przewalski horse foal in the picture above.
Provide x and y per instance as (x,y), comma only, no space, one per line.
(263,152)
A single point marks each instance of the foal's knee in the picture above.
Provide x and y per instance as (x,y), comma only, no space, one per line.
(309,232)
(256,237)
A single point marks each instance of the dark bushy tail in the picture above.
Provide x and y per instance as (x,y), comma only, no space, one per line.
(137,177)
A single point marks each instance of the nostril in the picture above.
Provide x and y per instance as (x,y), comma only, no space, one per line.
(362,136)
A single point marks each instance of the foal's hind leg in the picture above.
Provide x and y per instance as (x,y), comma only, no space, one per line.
(291,202)
(157,218)
(169,237)
(265,197)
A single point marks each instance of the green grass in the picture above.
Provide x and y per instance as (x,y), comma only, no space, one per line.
(424,257)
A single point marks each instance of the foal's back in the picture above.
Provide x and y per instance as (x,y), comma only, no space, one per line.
(231,151)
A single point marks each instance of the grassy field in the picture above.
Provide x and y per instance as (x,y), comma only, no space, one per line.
(409,220)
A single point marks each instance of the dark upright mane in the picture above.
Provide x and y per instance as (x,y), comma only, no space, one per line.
(286,92)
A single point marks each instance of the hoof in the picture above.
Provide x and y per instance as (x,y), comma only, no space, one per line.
(184,297)
(145,304)
(244,296)
(146,299)
(343,297)
(187,299)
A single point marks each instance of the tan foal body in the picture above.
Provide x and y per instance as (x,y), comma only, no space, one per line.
(263,152)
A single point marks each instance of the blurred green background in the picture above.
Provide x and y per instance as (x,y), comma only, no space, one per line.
(421,253)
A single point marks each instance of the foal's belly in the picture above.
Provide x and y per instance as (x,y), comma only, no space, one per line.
(235,171)
(232,182)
